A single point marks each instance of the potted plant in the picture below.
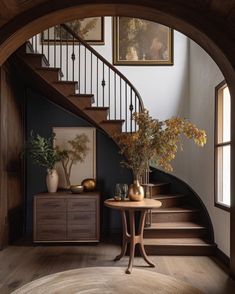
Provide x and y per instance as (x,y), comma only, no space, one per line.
(41,152)
(155,142)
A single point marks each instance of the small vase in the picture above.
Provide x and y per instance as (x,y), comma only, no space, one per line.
(52,180)
(136,191)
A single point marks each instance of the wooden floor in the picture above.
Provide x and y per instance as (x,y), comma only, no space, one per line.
(20,264)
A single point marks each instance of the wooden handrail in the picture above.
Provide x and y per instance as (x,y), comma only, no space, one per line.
(85,44)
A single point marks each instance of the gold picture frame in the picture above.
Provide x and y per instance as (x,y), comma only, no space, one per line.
(141,42)
(91,29)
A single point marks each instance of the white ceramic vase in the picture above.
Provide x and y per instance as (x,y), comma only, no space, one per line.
(52,180)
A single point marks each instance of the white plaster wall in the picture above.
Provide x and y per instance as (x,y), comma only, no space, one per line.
(163,88)
(204,75)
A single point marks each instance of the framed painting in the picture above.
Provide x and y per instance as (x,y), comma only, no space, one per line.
(141,42)
(91,29)
(80,170)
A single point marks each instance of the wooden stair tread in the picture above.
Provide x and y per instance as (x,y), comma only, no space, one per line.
(66,82)
(177,241)
(75,95)
(175,225)
(51,69)
(113,121)
(97,108)
(175,210)
(167,196)
(155,184)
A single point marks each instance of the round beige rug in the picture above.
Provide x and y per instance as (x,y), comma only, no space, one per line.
(107,280)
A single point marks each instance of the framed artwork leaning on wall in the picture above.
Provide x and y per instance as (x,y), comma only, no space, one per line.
(81,169)
(141,42)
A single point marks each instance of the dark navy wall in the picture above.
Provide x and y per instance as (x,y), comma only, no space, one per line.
(41,116)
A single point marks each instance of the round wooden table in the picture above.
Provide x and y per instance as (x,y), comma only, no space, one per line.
(133,238)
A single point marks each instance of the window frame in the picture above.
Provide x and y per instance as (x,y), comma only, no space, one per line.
(218,90)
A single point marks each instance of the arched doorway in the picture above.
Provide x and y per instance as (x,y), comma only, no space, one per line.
(192,22)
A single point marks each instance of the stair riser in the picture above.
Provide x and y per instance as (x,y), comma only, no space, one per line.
(179,250)
(157,190)
(50,75)
(112,128)
(65,89)
(97,115)
(83,102)
(175,233)
(174,217)
(172,202)
(35,61)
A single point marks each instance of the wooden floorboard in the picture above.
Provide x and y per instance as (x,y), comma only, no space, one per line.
(20,264)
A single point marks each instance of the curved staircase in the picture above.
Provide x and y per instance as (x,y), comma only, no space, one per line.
(182,225)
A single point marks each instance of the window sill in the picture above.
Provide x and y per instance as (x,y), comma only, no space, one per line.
(222,206)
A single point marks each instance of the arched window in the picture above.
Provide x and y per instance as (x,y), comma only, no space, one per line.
(222,146)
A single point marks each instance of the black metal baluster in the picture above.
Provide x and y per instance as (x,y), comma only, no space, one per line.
(97,83)
(91,72)
(131,110)
(42,42)
(67,56)
(126,105)
(60,48)
(115,97)
(32,42)
(103,84)
(85,70)
(120,98)
(135,111)
(109,93)
(48,46)
(79,68)
(36,43)
(54,47)
(73,60)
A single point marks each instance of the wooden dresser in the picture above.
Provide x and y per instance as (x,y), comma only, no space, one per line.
(67,217)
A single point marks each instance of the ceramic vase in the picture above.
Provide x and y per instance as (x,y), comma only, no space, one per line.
(136,191)
(52,180)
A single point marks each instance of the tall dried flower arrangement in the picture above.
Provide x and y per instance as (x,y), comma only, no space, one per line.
(156,142)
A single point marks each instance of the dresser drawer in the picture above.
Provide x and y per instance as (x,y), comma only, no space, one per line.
(81,218)
(50,205)
(47,218)
(50,232)
(81,232)
(88,204)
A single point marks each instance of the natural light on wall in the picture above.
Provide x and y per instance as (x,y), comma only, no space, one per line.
(222,146)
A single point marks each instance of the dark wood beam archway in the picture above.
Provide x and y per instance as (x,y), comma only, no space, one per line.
(210,23)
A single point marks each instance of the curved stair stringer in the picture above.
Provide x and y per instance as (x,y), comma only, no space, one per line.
(183,225)
(182,187)
(46,80)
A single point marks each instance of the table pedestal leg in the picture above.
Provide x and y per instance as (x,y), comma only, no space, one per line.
(132,241)
(133,238)
(125,236)
(141,239)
